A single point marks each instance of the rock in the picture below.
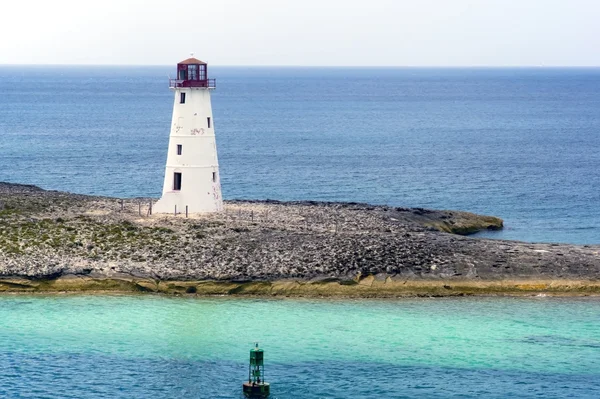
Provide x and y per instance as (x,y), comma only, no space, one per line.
(48,234)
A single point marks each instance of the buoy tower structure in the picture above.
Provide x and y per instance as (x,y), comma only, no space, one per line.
(256,387)
(192,182)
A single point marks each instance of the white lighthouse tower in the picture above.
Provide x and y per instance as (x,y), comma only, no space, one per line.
(192,171)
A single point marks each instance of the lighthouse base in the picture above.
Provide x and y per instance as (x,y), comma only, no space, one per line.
(176,203)
(261,390)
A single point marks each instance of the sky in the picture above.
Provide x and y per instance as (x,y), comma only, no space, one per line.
(302,33)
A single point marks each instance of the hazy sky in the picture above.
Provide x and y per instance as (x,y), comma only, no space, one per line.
(307,32)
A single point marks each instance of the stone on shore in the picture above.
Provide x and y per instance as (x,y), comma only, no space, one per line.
(52,240)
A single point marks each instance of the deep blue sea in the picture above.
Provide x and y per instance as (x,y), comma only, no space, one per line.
(522,144)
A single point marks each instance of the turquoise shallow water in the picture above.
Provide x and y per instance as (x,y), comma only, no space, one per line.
(124,347)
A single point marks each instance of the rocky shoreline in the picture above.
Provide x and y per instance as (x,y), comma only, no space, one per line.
(55,242)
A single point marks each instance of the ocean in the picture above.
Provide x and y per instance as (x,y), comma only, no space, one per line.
(522,143)
(84,347)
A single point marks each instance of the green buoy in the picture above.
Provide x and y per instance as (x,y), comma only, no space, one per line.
(256,387)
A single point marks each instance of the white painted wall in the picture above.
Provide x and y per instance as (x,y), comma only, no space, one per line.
(198,160)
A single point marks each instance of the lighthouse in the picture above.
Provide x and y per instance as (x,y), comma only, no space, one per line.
(192,182)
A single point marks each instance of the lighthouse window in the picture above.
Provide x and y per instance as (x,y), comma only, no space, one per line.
(182,98)
(208,120)
(177,181)
(179,149)
(193,72)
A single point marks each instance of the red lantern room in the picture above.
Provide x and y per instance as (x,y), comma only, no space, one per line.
(192,73)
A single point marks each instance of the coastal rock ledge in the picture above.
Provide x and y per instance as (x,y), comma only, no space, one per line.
(53,241)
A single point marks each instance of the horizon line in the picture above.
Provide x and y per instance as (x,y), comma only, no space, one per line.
(309,66)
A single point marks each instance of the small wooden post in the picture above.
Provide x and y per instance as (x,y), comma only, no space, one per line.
(175,210)
(186,211)
(150,209)
(121,205)
(140,208)
(252,216)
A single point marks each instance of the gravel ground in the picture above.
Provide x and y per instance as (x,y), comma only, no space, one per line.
(48,234)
